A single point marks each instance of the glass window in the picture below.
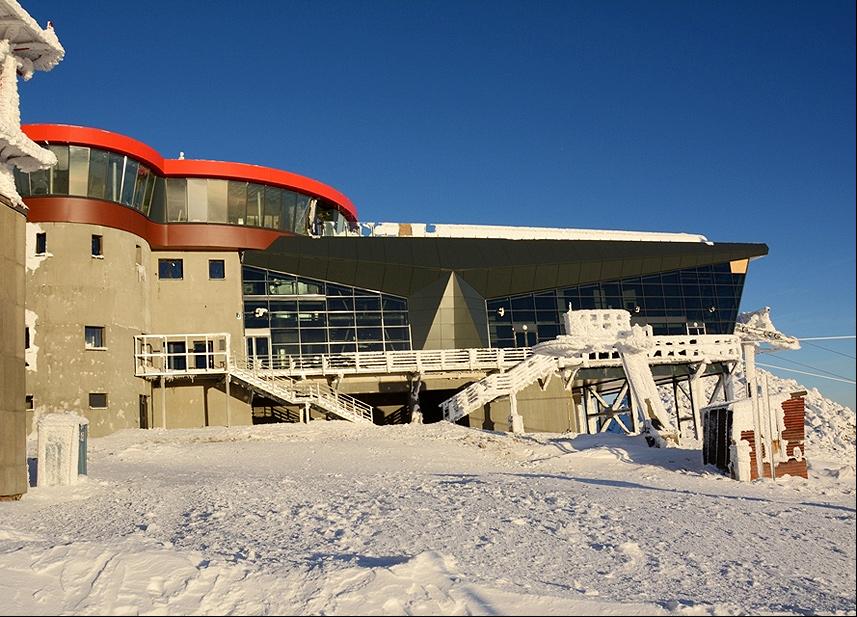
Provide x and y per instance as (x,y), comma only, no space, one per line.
(157,209)
(302,213)
(115,169)
(97,186)
(216,269)
(197,200)
(93,337)
(97,246)
(289,199)
(141,190)
(98,400)
(78,177)
(22,182)
(255,198)
(236,202)
(217,197)
(170,268)
(273,207)
(176,200)
(129,182)
(59,172)
(41,243)
(176,356)
(367,304)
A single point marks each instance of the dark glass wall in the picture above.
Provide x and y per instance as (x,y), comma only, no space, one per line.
(89,172)
(309,316)
(692,301)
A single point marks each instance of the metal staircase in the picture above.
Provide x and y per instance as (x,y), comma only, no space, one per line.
(293,392)
(496,385)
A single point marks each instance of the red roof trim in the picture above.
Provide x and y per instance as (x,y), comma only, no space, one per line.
(189,168)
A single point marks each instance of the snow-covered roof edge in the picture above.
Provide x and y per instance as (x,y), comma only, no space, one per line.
(420,230)
(39,47)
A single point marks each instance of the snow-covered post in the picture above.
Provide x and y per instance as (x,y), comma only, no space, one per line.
(516,420)
(59,448)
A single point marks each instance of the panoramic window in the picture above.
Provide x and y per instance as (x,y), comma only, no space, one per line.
(171,268)
(216,269)
(308,316)
(691,301)
(98,400)
(94,337)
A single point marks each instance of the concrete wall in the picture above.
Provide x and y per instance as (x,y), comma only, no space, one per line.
(199,403)
(68,289)
(13,446)
(551,410)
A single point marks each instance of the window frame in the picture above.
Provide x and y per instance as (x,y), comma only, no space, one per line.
(212,262)
(102,331)
(161,271)
(106,400)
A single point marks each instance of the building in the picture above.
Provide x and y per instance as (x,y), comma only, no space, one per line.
(160,288)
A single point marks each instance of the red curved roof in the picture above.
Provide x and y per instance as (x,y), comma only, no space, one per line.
(188,168)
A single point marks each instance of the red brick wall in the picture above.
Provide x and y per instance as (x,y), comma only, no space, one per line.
(793,434)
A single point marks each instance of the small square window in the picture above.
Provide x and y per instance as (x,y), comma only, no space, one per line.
(216,269)
(29,404)
(41,243)
(170,268)
(94,337)
(98,400)
(97,246)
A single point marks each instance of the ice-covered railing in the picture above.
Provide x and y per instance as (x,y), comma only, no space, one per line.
(181,354)
(428,230)
(757,327)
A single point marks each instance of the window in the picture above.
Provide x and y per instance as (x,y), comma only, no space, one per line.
(26,338)
(216,269)
(98,400)
(29,404)
(94,337)
(170,268)
(97,246)
(41,243)
(138,254)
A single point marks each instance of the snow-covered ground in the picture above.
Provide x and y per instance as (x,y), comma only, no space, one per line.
(333,518)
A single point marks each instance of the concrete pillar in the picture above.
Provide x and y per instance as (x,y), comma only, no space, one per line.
(516,421)
(13,436)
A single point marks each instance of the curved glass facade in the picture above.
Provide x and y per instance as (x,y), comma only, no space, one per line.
(692,301)
(308,316)
(82,171)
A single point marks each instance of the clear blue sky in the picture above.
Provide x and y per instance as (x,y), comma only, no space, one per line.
(731,119)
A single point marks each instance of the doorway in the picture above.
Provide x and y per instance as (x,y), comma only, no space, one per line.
(259,350)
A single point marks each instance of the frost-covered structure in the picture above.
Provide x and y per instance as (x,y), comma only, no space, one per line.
(59,448)
(25,47)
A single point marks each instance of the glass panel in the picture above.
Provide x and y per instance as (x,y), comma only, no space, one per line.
(176,200)
(78,179)
(197,200)
(157,209)
(301,214)
(22,182)
(40,182)
(255,198)
(217,192)
(97,186)
(288,198)
(367,304)
(115,169)
(59,172)
(143,175)
(273,208)
(236,202)
(129,181)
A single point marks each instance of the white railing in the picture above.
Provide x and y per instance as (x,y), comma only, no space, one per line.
(181,354)
(302,392)
(418,361)
(499,384)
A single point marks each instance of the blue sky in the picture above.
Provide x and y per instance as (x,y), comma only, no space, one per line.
(731,119)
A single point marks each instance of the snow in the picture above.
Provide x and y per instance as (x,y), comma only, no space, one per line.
(429,230)
(335,518)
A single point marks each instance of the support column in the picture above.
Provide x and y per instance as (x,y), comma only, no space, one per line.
(415,382)
(516,422)
(228,411)
(163,403)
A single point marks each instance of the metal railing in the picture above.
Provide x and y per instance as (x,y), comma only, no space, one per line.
(181,354)
(297,392)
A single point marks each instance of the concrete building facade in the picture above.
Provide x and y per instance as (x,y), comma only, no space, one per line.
(125,246)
